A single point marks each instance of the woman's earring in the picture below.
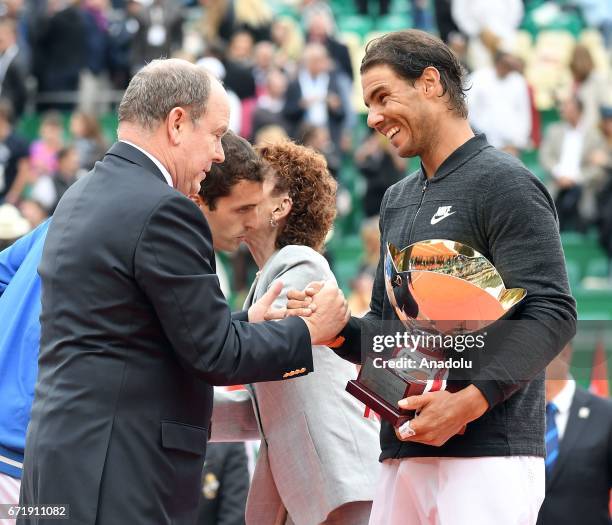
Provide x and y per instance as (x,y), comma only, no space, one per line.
(273,222)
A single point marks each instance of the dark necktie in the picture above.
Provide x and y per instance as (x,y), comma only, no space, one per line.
(552,437)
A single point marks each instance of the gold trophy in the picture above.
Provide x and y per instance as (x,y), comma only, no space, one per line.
(442,291)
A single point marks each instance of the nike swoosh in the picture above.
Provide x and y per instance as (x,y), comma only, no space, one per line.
(436,220)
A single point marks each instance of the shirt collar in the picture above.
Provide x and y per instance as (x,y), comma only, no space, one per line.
(159,165)
(563,400)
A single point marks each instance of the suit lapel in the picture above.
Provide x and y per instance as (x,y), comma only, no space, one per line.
(131,154)
(575,426)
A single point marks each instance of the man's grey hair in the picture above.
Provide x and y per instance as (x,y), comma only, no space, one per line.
(159,87)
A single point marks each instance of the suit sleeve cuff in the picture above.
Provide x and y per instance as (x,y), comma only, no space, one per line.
(242,315)
(303,363)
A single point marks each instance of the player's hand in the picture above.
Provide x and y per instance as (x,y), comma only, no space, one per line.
(330,315)
(441,415)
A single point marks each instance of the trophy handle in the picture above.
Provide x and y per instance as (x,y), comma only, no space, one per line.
(512,297)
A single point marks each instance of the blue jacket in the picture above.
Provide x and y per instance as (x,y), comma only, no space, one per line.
(19,342)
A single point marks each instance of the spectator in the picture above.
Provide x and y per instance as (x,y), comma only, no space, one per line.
(578,450)
(490,25)
(43,152)
(422,17)
(444,19)
(269,108)
(225,485)
(311,8)
(270,135)
(314,96)
(12,226)
(589,86)
(94,77)
(34,212)
(254,16)
(19,14)
(159,33)
(600,160)
(88,140)
(317,138)
(239,77)
(263,59)
(121,30)
(361,293)
(14,158)
(499,105)
(287,36)
(320,30)
(58,54)
(216,68)
(49,189)
(564,154)
(381,166)
(216,21)
(12,77)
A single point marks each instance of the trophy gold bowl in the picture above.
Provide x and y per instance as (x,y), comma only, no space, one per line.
(437,288)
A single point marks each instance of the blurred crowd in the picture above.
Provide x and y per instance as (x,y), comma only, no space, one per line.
(291,68)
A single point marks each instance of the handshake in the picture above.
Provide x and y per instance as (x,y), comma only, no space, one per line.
(321,304)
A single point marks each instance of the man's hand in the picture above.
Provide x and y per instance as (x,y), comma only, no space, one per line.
(441,415)
(330,314)
(299,301)
(262,310)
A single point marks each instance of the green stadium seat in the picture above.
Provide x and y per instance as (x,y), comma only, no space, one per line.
(361,25)
(599,267)
(395,22)
(594,304)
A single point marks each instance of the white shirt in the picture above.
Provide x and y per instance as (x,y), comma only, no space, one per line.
(500,107)
(316,88)
(570,161)
(563,402)
(161,167)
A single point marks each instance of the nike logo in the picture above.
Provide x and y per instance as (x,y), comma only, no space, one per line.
(441,214)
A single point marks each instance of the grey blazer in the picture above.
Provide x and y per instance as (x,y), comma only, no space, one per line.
(318,452)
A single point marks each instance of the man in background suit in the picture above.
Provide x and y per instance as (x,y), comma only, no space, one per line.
(579,450)
(225,485)
(134,328)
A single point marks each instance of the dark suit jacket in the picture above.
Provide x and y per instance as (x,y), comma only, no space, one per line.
(578,490)
(135,330)
(225,485)
(294,113)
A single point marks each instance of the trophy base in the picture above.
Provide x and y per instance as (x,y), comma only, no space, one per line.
(386,411)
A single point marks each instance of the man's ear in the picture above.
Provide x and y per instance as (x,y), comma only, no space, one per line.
(175,123)
(196,199)
(430,82)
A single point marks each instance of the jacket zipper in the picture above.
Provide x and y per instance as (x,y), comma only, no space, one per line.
(425,185)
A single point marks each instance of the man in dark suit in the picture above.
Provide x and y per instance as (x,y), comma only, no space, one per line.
(12,77)
(134,327)
(579,451)
(225,485)
(314,97)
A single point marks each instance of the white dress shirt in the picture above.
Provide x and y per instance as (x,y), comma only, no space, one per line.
(500,107)
(570,161)
(563,402)
(161,167)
